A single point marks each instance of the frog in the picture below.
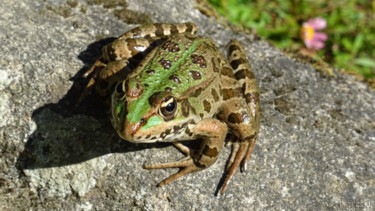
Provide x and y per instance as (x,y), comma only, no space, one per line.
(164,83)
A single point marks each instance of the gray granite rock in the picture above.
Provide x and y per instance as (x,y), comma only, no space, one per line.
(315,149)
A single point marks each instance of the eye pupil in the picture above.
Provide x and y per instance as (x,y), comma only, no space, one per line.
(170,107)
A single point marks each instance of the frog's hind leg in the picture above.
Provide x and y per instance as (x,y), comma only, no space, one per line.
(212,133)
(249,127)
(113,65)
(239,89)
(160,30)
(186,164)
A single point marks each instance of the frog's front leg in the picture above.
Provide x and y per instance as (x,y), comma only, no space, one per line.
(212,132)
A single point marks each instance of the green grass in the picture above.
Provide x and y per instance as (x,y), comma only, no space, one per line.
(350,27)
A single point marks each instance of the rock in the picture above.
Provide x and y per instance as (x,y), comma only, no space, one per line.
(315,149)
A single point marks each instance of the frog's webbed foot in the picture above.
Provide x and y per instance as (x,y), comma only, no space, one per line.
(241,151)
(211,134)
(186,166)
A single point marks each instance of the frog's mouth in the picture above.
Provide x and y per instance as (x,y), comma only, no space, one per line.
(153,129)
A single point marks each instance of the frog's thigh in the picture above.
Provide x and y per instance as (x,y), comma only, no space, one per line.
(234,109)
(240,94)
(247,82)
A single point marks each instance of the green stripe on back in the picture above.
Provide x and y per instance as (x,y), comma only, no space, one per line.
(139,107)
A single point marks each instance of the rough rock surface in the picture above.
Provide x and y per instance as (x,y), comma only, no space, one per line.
(316,148)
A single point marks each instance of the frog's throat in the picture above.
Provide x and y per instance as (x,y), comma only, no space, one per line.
(141,106)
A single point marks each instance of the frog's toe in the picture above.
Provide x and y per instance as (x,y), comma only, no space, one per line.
(248,154)
(238,154)
(241,152)
(178,164)
(187,166)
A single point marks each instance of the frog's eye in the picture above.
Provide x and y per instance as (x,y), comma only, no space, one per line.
(168,108)
(120,88)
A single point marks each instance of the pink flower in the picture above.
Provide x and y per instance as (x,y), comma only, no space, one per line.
(310,36)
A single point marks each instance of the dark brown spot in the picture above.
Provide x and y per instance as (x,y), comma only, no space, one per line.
(235,63)
(159,30)
(252,97)
(171,46)
(233,48)
(137,32)
(151,72)
(197,92)
(176,129)
(230,93)
(244,73)
(201,115)
(154,99)
(214,95)
(227,72)
(165,133)
(165,63)
(189,27)
(110,51)
(207,106)
(200,60)
(235,118)
(185,124)
(168,89)
(175,78)
(214,65)
(174,29)
(195,75)
(210,152)
(154,137)
(131,46)
(187,131)
(148,136)
(185,107)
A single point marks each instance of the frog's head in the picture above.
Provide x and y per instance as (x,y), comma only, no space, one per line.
(140,115)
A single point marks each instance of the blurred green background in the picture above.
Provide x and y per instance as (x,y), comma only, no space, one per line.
(350,28)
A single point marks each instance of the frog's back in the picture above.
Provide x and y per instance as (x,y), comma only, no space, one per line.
(183,65)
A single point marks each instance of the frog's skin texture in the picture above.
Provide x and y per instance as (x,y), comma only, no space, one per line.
(165,84)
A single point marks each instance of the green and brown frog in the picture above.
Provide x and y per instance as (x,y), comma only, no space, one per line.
(166,84)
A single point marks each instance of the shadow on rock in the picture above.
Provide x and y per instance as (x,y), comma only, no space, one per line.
(69,133)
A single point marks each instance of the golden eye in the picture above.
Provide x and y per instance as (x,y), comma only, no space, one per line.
(168,108)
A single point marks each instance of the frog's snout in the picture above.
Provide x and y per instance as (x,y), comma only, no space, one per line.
(130,130)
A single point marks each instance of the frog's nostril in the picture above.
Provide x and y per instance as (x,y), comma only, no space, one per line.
(143,121)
